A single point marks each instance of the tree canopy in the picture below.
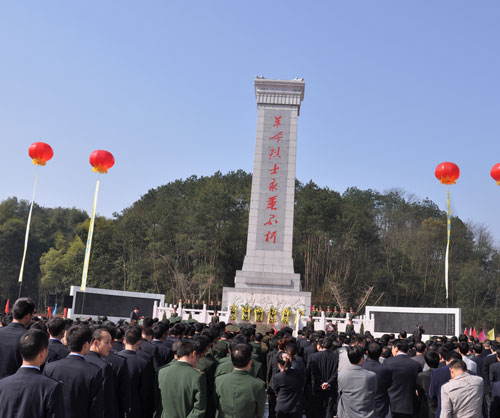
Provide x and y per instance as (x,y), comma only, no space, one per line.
(187,238)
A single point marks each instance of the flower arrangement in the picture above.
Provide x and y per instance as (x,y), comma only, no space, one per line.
(271,315)
(233,312)
(245,312)
(285,316)
(258,314)
(298,314)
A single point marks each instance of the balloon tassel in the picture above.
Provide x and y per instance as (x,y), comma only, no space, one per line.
(28,224)
(89,241)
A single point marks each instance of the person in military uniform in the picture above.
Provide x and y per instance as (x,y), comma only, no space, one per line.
(183,388)
(329,313)
(239,394)
(336,313)
(343,313)
(28,393)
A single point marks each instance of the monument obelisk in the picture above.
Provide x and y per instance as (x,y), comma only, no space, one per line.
(267,277)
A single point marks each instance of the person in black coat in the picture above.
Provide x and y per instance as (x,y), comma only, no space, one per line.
(495,400)
(117,339)
(488,361)
(148,348)
(322,368)
(426,404)
(10,358)
(82,381)
(57,350)
(288,385)
(28,393)
(159,334)
(99,349)
(384,379)
(402,393)
(141,376)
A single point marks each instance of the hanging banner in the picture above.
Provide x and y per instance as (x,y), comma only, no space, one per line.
(448,228)
(27,231)
(83,286)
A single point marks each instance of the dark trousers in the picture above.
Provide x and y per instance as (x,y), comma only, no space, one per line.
(324,404)
(397,415)
(285,415)
(271,397)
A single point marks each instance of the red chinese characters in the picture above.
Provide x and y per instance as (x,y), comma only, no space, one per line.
(274,152)
(278,137)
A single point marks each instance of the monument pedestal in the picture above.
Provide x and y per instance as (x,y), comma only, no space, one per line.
(267,277)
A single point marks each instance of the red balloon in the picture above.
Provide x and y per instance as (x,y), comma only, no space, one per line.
(40,152)
(495,173)
(447,173)
(101,160)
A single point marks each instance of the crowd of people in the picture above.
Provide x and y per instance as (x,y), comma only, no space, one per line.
(84,368)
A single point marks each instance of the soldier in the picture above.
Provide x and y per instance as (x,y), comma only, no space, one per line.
(336,313)
(329,313)
(238,393)
(182,387)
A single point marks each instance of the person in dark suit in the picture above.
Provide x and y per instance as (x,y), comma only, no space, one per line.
(426,404)
(488,361)
(159,334)
(402,393)
(148,347)
(134,316)
(322,370)
(120,373)
(10,358)
(27,393)
(100,347)
(57,350)
(439,377)
(141,375)
(118,340)
(288,385)
(384,379)
(82,381)
(417,334)
(495,400)
(420,348)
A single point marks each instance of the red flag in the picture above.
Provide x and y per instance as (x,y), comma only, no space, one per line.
(465,332)
(474,332)
(65,313)
(7,306)
(49,311)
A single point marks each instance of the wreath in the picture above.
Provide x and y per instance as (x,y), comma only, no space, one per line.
(298,314)
(285,316)
(245,312)
(234,312)
(271,315)
(258,314)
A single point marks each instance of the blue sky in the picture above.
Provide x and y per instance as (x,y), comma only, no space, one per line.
(392,89)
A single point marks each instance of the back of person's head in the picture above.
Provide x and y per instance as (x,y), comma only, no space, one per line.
(56,326)
(23,307)
(148,322)
(175,347)
(402,346)
(241,355)
(358,339)
(292,349)
(432,359)
(258,337)
(284,359)
(355,354)
(403,334)
(458,365)
(133,334)
(32,343)
(462,338)
(478,348)
(200,344)
(420,347)
(374,350)
(119,334)
(185,348)
(77,336)
(453,355)
(99,333)
(463,347)
(147,332)
(325,343)
(386,352)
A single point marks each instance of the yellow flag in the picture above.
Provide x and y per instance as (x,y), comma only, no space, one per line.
(491,334)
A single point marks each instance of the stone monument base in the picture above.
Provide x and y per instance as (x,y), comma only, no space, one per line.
(279,299)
